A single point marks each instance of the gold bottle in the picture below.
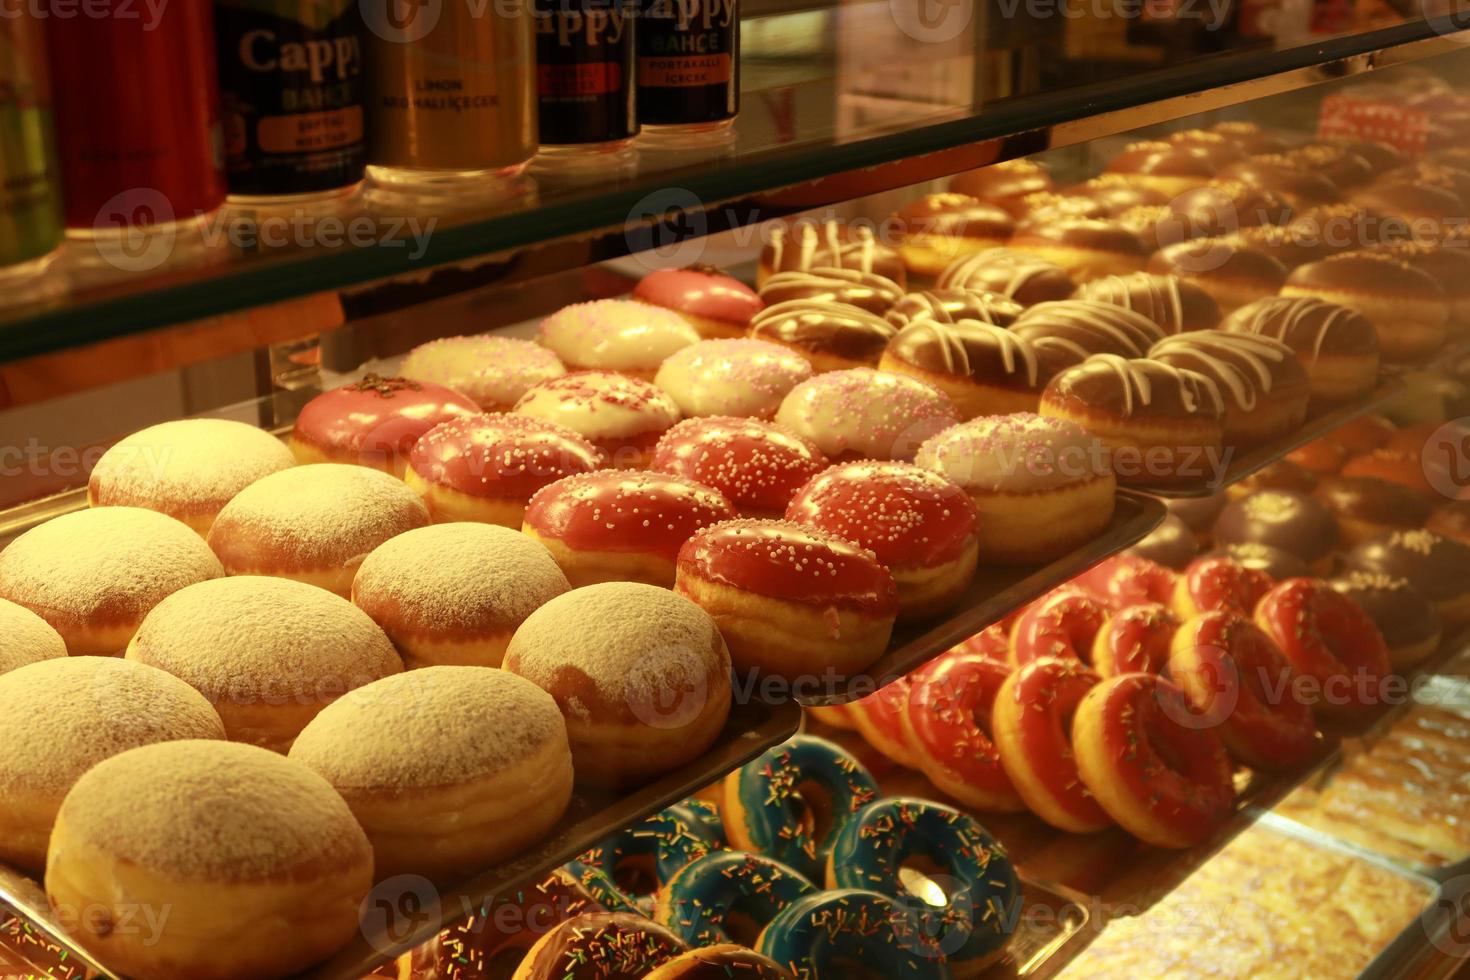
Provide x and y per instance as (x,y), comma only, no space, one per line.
(451,94)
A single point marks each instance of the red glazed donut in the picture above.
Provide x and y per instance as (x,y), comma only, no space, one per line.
(1229,670)
(1151,767)
(879,717)
(1135,639)
(1032,718)
(921,526)
(948,724)
(619,526)
(373,422)
(1126,579)
(1062,624)
(1219,583)
(1329,639)
(757,465)
(993,643)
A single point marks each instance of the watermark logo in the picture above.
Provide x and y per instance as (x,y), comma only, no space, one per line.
(667,227)
(398,910)
(1445,459)
(1446,920)
(401,21)
(1449,18)
(661,701)
(932,21)
(135,230)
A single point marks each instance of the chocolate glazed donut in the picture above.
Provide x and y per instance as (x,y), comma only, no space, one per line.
(865,290)
(954,305)
(1175,305)
(1069,332)
(833,336)
(1024,278)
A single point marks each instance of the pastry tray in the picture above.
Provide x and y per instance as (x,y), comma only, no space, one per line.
(405,911)
(1257,458)
(995,591)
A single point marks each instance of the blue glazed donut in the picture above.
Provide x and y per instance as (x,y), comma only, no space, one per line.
(642,858)
(697,902)
(984,894)
(710,814)
(835,935)
(791,801)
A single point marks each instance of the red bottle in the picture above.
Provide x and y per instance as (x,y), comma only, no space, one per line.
(137,115)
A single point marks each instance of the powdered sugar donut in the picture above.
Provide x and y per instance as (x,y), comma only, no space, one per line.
(622,416)
(493,372)
(484,468)
(757,465)
(866,414)
(618,526)
(187,469)
(59,718)
(615,335)
(373,422)
(454,593)
(93,575)
(446,768)
(268,653)
(732,377)
(711,302)
(314,523)
(257,859)
(28,638)
(640,673)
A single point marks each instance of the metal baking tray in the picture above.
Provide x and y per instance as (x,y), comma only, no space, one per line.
(1258,458)
(995,591)
(403,912)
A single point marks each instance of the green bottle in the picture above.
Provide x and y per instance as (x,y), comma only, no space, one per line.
(30,203)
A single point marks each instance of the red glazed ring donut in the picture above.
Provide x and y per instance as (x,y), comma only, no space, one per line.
(1062,624)
(1328,638)
(1219,583)
(1127,579)
(947,723)
(1134,640)
(1228,669)
(879,718)
(1032,719)
(993,643)
(1139,750)
(836,715)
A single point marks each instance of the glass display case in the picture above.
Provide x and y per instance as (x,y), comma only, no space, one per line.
(994,509)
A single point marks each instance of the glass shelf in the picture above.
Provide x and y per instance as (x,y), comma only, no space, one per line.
(841,100)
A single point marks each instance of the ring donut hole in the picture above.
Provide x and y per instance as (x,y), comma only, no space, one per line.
(635,875)
(743,923)
(811,805)
(922,877)
(850,969)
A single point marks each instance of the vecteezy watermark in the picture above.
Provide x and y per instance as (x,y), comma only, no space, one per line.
(1448,18)
(670,224)
(932,21)
(1211,13)
(37,459)
(1445,459)
(115,919)
(150,12)
(398,912)
(1446,920)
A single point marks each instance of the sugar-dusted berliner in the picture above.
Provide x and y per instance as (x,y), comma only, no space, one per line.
(758,466)
(1409,623)
(258,862)
(1040,486)
(94,574)
(866,414)
(1336,345)
(851,287)
(790,600)
(1438,567)
(60,717)
(268,653)
(1163,424)
(713,303)
(454,593)
(615,335)
(832,336)
(447,769)
(1175,305)
(1068,332)
(1297,523)
(187,469)
(1088,248)
(1229,269)
(641,675)
(373,422)
(1001,182)
(806,245)
(919,524)
(1117,193)
(1265,385)
(1168,168)
(621,526)
(313,523)
(621,416)
(1408,310)
(493,372)
(601,946)
(953,305)
(745,377)
(1301,186)
(28,638)
(1367,506)
(935,230)
(485,468)
(1028,279)
(983,368)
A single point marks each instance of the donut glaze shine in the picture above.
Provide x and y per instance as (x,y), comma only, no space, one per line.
(373,422)
(506,456)
(757,465)
(619,510)
(702,291)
